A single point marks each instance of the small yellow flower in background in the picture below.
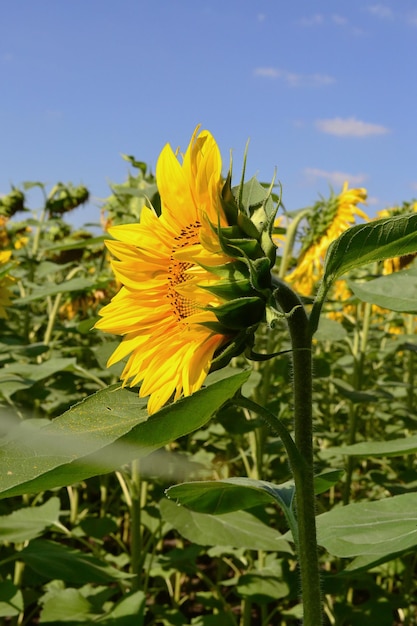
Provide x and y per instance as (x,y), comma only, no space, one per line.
(183,298)
(278,235)
(328,219)
(5,282)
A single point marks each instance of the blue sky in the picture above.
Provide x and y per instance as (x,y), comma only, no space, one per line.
(324,90)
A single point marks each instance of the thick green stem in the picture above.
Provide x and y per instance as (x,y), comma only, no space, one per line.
(301,340)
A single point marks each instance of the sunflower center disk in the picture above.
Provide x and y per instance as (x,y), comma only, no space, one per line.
(182,307)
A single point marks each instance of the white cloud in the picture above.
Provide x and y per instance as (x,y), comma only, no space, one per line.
(339,20)
(336,179)
(314,20)
(349,127)
(412,18)
(6,57)
(380,10)
(293,79)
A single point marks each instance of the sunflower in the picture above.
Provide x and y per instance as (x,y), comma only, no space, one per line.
(177,280)
(327,220)
(5,282)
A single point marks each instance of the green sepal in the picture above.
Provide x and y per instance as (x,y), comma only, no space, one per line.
(230,290)
(256,356)
(228,201)
(233,348)
(247,226)
(240,313)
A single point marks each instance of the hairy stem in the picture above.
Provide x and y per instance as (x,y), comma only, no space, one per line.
(301,340)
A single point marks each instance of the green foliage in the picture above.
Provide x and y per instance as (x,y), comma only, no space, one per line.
(397,292)
(87,533)
(78,444)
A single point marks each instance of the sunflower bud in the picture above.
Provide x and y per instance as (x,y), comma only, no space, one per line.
(65,198)
(12,203)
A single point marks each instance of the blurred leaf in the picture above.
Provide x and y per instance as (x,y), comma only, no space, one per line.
(75,244)
(16,376)
(397,291)
(374,532)
(65,606)
(57,561)
(392,447)
(11,599)
(73,284)
(238,529)
(77,445)
(28,523)
(70,606)
(130,611)
(354,395)
(262,587)
(330,330)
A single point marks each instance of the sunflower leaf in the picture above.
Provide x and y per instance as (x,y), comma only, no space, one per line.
(102,433)
(367,243)
(363,244)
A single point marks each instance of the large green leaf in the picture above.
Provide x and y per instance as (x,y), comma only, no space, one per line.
(372,532)
(82,442)
(365,243)
(233,494)
(236,494)
(230,494)
(397,291)
(238,529)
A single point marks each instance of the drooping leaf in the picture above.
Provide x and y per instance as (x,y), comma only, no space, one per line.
(233,494)
(103,432)
(237,529)
(230,494)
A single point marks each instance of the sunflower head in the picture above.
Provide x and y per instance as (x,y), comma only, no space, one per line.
(327,219)
(195,277)
(12,203)
(6,281)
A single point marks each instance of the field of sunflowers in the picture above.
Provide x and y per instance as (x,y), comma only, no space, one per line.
(208,405)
